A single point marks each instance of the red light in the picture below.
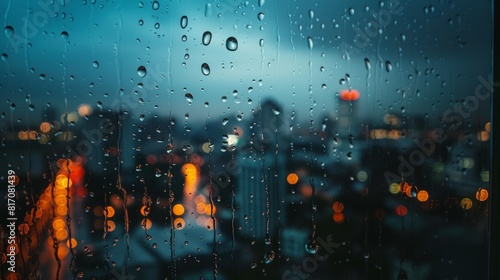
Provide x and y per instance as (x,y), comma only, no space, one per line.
(349,94)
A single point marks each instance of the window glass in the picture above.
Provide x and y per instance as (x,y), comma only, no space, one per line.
(245,139)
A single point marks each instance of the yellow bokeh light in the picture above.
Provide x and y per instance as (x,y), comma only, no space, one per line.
(178,209)
(63,182)
(466,203)
(98,211)
(487,127)
(179,223)
(292,178)
(62,252)
(483,136)
(394,188)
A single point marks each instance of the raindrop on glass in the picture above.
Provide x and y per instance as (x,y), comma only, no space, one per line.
(311,14)
(367,64)
(276,111)
(231,44)
(141,71)
(207,38)
(261,16)
(205,69)
(311,246)
(351,11)
(9,31)
(310,42)
(269,256)
(4,57)
(189,97)
(388,66)
(261,42)
(184,22)
(225,121)
(156,5)
(65,35)
(261,2)
(95,64)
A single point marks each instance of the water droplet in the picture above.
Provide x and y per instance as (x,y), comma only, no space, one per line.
(311,246)
(65,35)
(276,111)
(310,42)
(141,117)
(261,16)
(4,57)
(311,14)
(351,11)
(156,5)
(225,121)
(184,22)
(269,256)
(388,66)
(205,69)
(95,64)
(141,71)
(231,44)
(349,155)
(261,42)
(189,97)
(157,25)
(9,31)
(208,9)
(403,37)
(207,38)
(31,107)
(367,64)
(261,3)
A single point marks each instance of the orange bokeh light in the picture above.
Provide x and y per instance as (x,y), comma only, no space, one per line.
(482,194)
(422,195)
(338,217)
(178,209)
(338,207)
(292,178)
(349,94)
